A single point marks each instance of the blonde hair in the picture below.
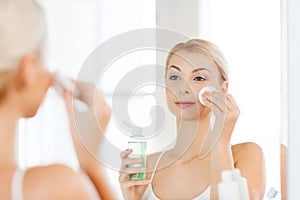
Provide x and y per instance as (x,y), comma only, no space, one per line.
(22,30)
(204,47)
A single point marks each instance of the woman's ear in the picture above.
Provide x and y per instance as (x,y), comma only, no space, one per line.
(225,86)
(26,72)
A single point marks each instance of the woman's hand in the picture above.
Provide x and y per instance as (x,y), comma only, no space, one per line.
(88,94)
(131,189)
(226,114)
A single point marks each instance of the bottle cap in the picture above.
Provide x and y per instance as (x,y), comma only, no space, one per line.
(226,175)
(236,174)
(137,131)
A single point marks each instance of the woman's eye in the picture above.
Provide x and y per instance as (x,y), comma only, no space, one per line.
(199,78)
(174,78)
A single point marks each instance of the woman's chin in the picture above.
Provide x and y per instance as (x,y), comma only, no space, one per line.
(188,116)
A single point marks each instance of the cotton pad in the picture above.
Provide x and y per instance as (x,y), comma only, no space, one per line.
(61,82)
(202,91)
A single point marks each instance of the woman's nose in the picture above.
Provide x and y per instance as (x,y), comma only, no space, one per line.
(185,89)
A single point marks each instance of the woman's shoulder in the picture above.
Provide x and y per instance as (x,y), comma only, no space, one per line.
(53,182)
(249,159)
(152,158)
(247,151)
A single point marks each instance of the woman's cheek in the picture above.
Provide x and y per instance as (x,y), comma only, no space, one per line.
(171,93)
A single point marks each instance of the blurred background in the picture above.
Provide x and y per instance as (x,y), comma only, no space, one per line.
(248,33)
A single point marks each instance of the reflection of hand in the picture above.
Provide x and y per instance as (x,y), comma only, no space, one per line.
(95,101)
(87,127)
(226,112)
(131,189)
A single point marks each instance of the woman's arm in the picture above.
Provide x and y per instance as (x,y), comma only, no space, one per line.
(87,132)
(249,158)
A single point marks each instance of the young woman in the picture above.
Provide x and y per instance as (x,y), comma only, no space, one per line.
(23,85)
(190,170)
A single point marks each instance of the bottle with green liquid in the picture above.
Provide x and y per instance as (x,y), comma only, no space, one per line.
(139,149)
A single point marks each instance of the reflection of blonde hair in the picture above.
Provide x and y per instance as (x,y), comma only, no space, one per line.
(204,47)
(22,31)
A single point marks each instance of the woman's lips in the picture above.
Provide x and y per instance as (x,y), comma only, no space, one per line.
(184,104)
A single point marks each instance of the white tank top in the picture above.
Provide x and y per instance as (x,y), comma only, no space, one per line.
(149,194)
(17,185)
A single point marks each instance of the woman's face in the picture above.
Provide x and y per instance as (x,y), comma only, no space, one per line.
(187,73)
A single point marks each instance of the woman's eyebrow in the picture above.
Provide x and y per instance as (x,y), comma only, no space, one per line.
(195,70)
(175,67)
(200,69)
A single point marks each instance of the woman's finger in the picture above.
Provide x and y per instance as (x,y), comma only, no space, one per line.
(215,101)
(130,161)
(127,184)
(233,106)
(219,99)
(222,101)
(123,176)
(133,170)
(231,100)
(125,153)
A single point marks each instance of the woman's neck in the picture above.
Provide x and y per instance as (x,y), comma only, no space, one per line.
(8,120)
(190,137)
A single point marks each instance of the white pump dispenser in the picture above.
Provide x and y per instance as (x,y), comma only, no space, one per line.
(233,186)
(236,174)
(228,189)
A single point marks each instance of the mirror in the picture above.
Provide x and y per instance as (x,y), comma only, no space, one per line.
(248,33)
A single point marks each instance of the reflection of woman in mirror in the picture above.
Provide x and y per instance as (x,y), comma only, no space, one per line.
(180,173)
(23,85)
